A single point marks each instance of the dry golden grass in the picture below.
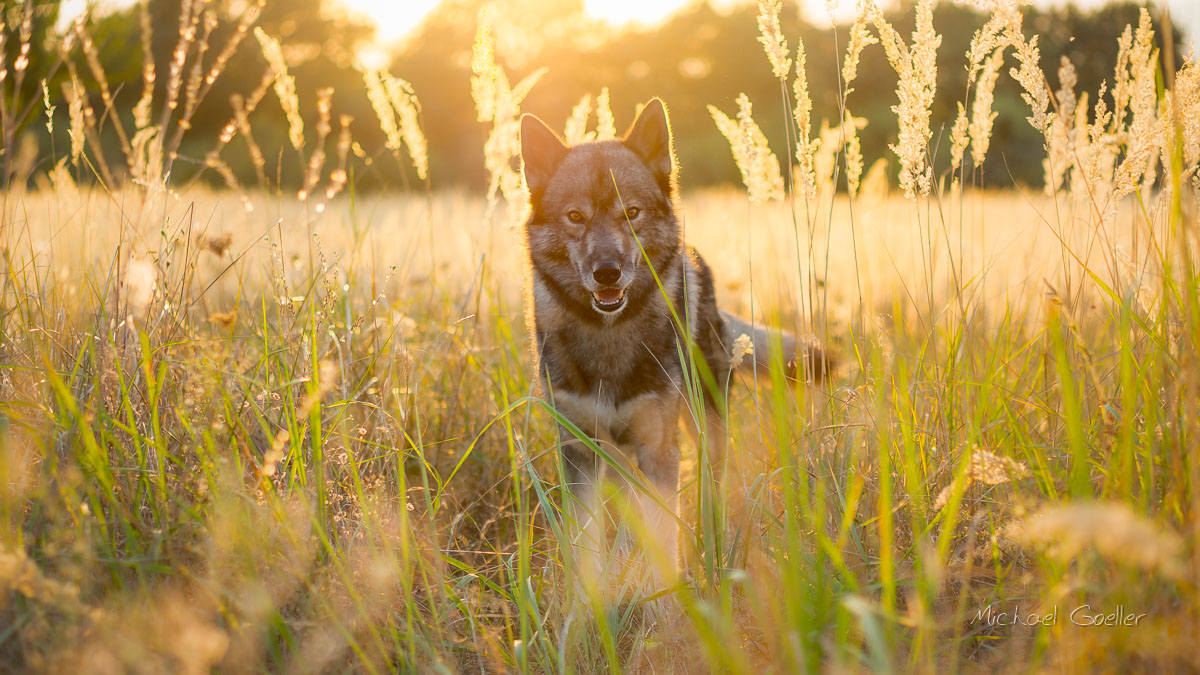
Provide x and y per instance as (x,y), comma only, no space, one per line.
(245,431)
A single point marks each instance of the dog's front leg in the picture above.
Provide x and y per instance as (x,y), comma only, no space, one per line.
(582,468)
(654,430)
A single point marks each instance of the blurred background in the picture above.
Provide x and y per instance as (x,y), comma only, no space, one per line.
(675,49)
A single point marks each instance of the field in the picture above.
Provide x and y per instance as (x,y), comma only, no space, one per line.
(242,430)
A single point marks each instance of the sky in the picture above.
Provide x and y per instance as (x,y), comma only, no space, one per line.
(396,18)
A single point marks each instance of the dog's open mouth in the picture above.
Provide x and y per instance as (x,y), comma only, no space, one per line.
(609,299)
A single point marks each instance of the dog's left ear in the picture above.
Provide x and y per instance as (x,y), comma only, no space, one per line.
(650,139)
(541,153)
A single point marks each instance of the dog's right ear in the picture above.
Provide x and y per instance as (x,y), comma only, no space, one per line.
(541,152)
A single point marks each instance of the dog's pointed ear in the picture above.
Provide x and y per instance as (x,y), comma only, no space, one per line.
(541,152)
(650,138)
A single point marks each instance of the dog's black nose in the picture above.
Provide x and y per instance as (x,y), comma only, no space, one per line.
(607,273)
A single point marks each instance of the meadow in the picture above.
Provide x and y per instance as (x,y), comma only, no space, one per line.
(251,428)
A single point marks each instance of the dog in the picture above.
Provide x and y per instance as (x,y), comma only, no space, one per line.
(616,299)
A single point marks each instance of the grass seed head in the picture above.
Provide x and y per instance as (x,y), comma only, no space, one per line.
(770,35)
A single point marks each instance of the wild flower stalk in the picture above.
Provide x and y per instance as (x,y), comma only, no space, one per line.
(92,58)
(338,177)
(141,111)
(189,18)
(316,159)
(192,89)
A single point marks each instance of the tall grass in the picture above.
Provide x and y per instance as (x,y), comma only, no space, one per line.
(249,431)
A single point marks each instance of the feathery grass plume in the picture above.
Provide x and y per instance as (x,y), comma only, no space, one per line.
(854,156)
(1029,75)
(486,74)
(48,108)
(575,131)
(1185,102)
(743,346)
(384,111)
(916,67)
(1122,83)
(806,146)
(984,43)
(408,112)
(1060,140)
(285,86)
(399,113)
(1111,529)
(1139,90)
(958,139)
(75,103)
(1099,160)
(606,125)
(758,165)
(770,36)
(499,104)
(860,39)
(982,116)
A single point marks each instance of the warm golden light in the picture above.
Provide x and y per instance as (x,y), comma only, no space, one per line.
(632,11)
(393,20)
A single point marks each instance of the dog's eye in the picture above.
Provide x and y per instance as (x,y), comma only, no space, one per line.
(575,216)
(632,212)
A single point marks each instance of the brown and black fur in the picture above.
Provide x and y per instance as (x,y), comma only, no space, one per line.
(602,215)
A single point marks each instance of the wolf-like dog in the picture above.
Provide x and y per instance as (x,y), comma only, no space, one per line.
(614,289)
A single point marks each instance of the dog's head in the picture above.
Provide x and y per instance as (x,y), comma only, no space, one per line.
(599,209)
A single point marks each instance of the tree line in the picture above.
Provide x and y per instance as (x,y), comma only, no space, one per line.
(700,56)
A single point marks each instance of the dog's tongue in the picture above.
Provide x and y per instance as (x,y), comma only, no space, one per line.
(609,295)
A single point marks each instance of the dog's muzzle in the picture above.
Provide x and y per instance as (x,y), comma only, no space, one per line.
(608,300)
